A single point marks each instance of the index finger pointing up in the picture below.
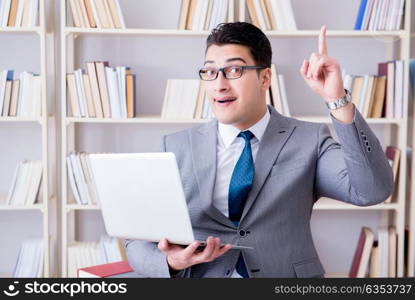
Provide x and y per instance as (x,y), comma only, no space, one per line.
(322,44)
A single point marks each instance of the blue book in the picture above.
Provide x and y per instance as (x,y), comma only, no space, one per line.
(412,76)
(360,15)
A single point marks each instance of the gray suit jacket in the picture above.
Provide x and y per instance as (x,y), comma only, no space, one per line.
(297,162)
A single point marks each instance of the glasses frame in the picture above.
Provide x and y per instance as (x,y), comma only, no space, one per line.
(224,74)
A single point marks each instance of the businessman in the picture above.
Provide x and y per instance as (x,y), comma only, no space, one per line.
(251,176)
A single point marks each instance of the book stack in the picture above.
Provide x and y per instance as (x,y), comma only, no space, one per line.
(272,14)
(20,97)
(97,14)
(205,14)
(375,258)
(30,259)
(185,99)
(381,95)
(380,15)
(26,183)
(103,92)
(277,95)
(80,179)
(86,254)
(19,13)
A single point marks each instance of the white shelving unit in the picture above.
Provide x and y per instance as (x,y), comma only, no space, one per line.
(393,213)
(411,206)
(42,124)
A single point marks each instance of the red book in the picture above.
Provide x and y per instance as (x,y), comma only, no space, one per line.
(116,269)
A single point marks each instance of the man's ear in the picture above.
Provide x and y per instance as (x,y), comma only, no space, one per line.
(265,79)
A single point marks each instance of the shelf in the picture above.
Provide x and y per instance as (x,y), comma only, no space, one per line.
(158,120)
(143,120)
(290,33)
(21,119)
(23,207)
(331,204)
(71,207)
(36,30)
(323,119)
(322,204)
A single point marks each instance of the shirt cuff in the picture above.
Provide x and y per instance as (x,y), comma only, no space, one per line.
(334,120)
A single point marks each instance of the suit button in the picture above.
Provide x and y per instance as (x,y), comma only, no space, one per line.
(228,272)
(369,149)
(242,233)
(364,137)
(362,132)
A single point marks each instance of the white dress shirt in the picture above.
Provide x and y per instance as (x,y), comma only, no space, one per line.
(229,148)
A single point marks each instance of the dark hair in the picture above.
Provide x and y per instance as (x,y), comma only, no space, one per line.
(245,34)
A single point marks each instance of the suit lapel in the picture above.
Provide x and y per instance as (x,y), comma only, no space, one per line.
(275,136)
(204,155)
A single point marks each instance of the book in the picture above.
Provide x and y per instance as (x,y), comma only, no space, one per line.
(84,15)
(393,155)
(14,97)
(75,13)
(96,97)
(270,14)
(13,14)
(88,254)
(103,87)
(7,98)
(5,75)
(114,13)
(383,255)
(379,97)
(393,240)
(19,14)
(275,90)
(89,97)
(72,95)
(115,269)
(360,263)
(90,13)
(29,262)
(25,185)
(130,81)
(253,13)
(180,100)
(374,261)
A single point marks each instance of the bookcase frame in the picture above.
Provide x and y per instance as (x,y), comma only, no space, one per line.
(392,213)
(42,122)
(411,207)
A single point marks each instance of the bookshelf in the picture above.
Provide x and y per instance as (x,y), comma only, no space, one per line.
(87,134)
(411,206)
(34,41)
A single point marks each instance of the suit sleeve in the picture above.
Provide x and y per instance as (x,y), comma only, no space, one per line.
(145,258)
(356,169)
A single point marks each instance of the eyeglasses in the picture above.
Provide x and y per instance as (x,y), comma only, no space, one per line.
(229,72)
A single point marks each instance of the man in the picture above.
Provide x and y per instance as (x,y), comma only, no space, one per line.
(251,176)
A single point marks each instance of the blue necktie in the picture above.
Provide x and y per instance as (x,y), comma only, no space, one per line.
(239,188)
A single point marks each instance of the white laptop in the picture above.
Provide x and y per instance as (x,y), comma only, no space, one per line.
(141,197)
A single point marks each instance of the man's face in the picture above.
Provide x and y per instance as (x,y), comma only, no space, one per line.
(245,96)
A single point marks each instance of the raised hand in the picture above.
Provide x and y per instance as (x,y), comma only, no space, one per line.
(322,72)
